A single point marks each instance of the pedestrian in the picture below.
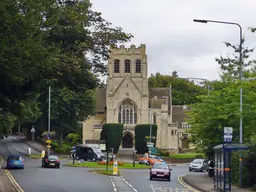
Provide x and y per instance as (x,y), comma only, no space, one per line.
(211,169)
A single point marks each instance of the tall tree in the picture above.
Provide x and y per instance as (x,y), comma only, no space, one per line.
(184,91)
(221,109)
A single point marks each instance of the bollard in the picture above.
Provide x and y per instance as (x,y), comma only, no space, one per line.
(29,151)
(115,169)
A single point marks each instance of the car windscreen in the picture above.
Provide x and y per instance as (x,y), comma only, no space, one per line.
(197,161)
(97,151)
(160,166)
(52,157)
(15,158)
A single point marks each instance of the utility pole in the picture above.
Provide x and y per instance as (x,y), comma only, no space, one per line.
(49,117)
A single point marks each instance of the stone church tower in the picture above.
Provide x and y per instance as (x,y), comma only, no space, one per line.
(127,100)
(127,89)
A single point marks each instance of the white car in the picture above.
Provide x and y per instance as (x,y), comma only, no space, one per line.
(198,165)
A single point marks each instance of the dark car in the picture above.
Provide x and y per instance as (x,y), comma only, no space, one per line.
(88,153)
(160,170)
(15,161)
(51,161)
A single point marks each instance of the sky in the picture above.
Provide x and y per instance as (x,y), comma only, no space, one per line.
(173,41)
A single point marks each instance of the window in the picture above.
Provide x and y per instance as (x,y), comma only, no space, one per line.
(137,66)
(127,66)
(154,119)
(116,66)
(127,113)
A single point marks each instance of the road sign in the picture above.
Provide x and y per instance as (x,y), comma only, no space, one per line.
(48,146)
(115,168)
(228,134)
(48,141)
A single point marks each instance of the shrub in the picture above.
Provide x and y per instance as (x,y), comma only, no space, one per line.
(112,133)
(164,153)
(65,148)
(73,139)
(141,131)
(52,135)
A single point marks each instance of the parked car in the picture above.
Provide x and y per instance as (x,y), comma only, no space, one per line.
(198,165)
(160,170)
(15,161)
(88,153)
(51,161)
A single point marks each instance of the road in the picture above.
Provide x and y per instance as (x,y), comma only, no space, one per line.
(67,179)
(139,179)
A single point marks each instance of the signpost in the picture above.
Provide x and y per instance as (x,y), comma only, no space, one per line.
(134,156)
(228,134)
(115,169)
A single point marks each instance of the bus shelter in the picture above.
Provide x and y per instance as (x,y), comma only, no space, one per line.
(222,158)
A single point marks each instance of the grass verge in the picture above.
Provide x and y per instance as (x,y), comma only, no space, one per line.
(105,172)
(186,155)
(96,165)
(38,156)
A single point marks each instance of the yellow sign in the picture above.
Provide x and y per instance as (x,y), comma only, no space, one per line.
(115,169)
(48,141)
(48,146)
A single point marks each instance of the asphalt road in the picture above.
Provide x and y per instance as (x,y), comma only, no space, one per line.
(66,179)
(139,179)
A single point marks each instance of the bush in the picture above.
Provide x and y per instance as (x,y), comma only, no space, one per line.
(164,153)
(141,131)
(52,135)
(112,133)
(65,148)
(73,139)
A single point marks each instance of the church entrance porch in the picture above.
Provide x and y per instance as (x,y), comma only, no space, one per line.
(127,141)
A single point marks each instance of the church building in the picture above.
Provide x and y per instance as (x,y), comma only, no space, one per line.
(127,99)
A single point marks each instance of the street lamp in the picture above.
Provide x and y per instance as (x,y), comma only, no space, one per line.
(195,78)
(240,77)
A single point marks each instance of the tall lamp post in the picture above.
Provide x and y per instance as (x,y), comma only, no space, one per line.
(241,89)
(195,78)
(49,117)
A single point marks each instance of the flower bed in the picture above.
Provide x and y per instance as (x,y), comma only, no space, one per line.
(110,162)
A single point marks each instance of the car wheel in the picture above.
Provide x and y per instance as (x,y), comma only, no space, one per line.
(150,177)
(93,159)
(58,166)
(169,178)
(190,170)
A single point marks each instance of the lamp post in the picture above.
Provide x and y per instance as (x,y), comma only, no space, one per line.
(195,78)
(49,117)
(241,89)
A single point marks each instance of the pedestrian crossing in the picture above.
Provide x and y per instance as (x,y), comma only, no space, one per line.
(159,189)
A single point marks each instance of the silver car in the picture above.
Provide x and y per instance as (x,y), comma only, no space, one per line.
(197,165)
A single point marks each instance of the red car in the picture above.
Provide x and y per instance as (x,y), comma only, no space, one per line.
(51,161)
(160,170)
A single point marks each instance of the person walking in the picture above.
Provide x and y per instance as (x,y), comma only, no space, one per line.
(211,169)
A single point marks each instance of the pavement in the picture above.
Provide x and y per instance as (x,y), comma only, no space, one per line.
(205,184)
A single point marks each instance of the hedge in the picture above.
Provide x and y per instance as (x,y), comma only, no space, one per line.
(141,131)
(113,134)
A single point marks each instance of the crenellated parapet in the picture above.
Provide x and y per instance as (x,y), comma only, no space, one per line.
(122,50)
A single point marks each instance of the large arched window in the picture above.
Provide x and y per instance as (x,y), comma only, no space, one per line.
(137,66)
(127,113)
(116,66)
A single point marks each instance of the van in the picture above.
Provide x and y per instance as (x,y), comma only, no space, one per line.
(88,153)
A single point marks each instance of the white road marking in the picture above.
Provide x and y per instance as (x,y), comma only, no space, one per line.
(153,190)
(128,184)
(113,183)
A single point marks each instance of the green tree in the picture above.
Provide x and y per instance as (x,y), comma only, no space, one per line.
(221,109)
(183,91)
